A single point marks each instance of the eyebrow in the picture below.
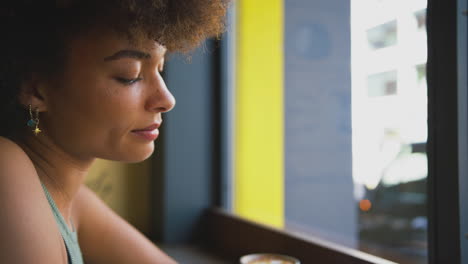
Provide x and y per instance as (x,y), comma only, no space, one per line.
(134,54)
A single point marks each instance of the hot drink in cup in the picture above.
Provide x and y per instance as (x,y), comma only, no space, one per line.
(268,259)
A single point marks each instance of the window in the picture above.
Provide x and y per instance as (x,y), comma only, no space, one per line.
(382,36)
(446,181)
(420,16)
(326,150)
(381,84)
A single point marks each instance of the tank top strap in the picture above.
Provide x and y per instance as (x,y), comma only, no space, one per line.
(70,237)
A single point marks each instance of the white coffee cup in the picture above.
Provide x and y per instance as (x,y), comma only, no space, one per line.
(268,258)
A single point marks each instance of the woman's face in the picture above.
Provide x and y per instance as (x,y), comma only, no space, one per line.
(109,100)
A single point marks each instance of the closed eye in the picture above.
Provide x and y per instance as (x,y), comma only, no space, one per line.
(128,81)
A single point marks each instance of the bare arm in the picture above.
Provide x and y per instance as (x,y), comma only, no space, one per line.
(107,238)
(28,232)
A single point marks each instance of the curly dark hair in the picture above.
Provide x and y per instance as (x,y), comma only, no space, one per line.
(35,36)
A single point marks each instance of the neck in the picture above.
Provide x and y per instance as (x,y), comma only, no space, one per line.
(59,171)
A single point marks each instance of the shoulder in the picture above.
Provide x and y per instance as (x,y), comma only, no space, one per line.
(15,165)
(16,168)
(26,216)
(13,159)
(10,150)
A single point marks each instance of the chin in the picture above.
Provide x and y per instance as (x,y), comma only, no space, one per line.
(136,154)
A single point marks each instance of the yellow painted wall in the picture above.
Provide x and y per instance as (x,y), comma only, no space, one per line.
(259,180)
(125,188)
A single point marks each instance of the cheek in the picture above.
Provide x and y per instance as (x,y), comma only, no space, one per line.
(81,104)
(95,117)
(99,100)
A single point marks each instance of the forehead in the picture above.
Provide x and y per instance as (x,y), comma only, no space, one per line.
(98,44)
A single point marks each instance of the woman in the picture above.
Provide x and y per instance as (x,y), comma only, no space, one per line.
(81,80)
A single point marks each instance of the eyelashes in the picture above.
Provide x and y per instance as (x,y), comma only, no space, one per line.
(126,81)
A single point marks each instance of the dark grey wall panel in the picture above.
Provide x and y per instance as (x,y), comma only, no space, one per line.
(186,173)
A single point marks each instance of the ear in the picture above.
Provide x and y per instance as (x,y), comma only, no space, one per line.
(33,91)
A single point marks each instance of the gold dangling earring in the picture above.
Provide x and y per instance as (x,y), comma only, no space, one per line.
(34,121)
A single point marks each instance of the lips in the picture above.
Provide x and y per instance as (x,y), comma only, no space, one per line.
(149,128)
(149,133)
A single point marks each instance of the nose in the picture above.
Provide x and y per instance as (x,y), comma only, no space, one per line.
(161,99)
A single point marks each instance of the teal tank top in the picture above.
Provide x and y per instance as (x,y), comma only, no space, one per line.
(69,237)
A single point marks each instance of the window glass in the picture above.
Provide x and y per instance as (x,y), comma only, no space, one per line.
(337,151)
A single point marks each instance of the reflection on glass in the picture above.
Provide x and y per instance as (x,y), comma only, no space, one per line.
(382,36)
(390,132)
